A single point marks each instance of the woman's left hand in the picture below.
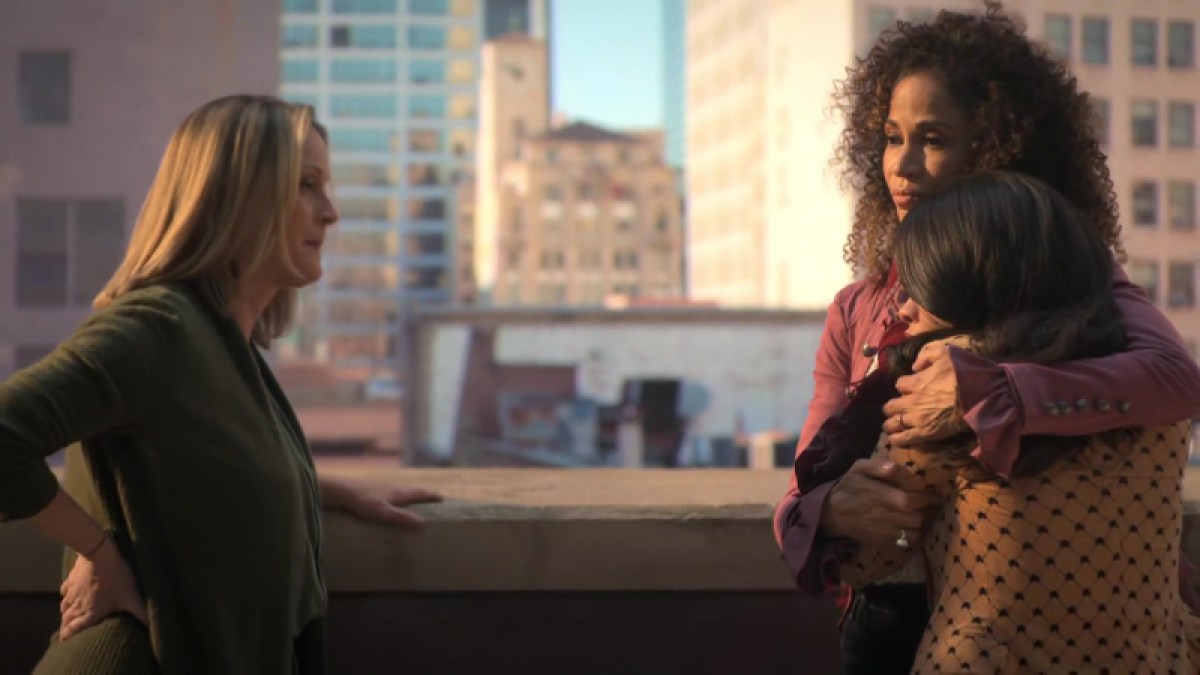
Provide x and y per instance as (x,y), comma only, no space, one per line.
(927,409)
(376,501)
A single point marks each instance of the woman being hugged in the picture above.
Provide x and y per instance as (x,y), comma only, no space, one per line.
(194,504)
(930,102)
(1066,563)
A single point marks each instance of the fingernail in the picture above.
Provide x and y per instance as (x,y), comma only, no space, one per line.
(888,466)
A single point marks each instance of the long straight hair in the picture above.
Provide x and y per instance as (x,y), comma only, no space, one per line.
(219,203)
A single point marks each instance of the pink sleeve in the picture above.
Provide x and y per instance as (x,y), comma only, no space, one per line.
(797,516)
(1154,381)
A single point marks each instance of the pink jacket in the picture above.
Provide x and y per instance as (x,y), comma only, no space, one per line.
(1153,382)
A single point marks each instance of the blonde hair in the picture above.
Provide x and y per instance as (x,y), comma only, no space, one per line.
(220,202)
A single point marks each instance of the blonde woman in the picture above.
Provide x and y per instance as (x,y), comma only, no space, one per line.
(194,504)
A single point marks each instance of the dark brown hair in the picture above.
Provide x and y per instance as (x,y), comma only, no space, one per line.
(1025,108)
(1008,261)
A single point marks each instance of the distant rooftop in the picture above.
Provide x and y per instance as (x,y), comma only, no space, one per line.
(588,133)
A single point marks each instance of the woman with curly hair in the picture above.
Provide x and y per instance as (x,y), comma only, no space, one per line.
(929,102)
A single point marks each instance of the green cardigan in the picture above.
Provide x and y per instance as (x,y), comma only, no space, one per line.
(193,457)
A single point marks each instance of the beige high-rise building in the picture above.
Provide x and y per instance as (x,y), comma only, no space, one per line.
(767,218)
(570,214)
(96,88)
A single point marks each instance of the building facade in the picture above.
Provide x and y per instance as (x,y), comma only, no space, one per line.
(767,218)
(396,83)
(565,214)
(587,216)
(97,90)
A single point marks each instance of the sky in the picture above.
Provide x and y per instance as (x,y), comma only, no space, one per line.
(607,61)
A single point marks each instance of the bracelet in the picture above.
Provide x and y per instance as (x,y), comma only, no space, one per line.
(89,552)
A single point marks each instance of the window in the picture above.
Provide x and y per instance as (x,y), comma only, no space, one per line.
(299,6)
(365,277)
(426,243)
(462,38)
(425,140)
(44,87)
(1181,204)
(1181,285)
(99,239)
(1181,124)
(879,19)
(1144,115)
(1145,203)
(461,72)
(1101,119)
(1095,40)
(66,250)
(1181,44)
(426,37)
(360,311)
(1144,273)
(364,6)
(506,16)
(1058,35)
(365,208)
(363,174)
(625,260)
(370,106)
(366,243)
(553,260)
(361,140)
(427,106)
(462,143)
(662,224)
(552,193)
(462,107)
(299,70)
(363,37)
(299,35)
(362,70)
(424,174)
(300,99)
(427,72)
(1144,42)
(426,209)
(428,7)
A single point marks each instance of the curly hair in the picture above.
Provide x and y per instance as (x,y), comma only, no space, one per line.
(1026,110)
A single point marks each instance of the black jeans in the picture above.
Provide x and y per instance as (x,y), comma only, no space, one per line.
(883,629)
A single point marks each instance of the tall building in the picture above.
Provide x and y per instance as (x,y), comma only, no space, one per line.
(674,50)
(767,219)
(570,214)
(396,83)
(96,90)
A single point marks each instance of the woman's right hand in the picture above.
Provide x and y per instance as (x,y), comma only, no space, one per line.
(870,505)
(96,588)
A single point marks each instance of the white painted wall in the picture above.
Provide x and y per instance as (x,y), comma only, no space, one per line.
(758,376)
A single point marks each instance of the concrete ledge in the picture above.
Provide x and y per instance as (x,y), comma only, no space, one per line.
(531,530)
(511,530)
